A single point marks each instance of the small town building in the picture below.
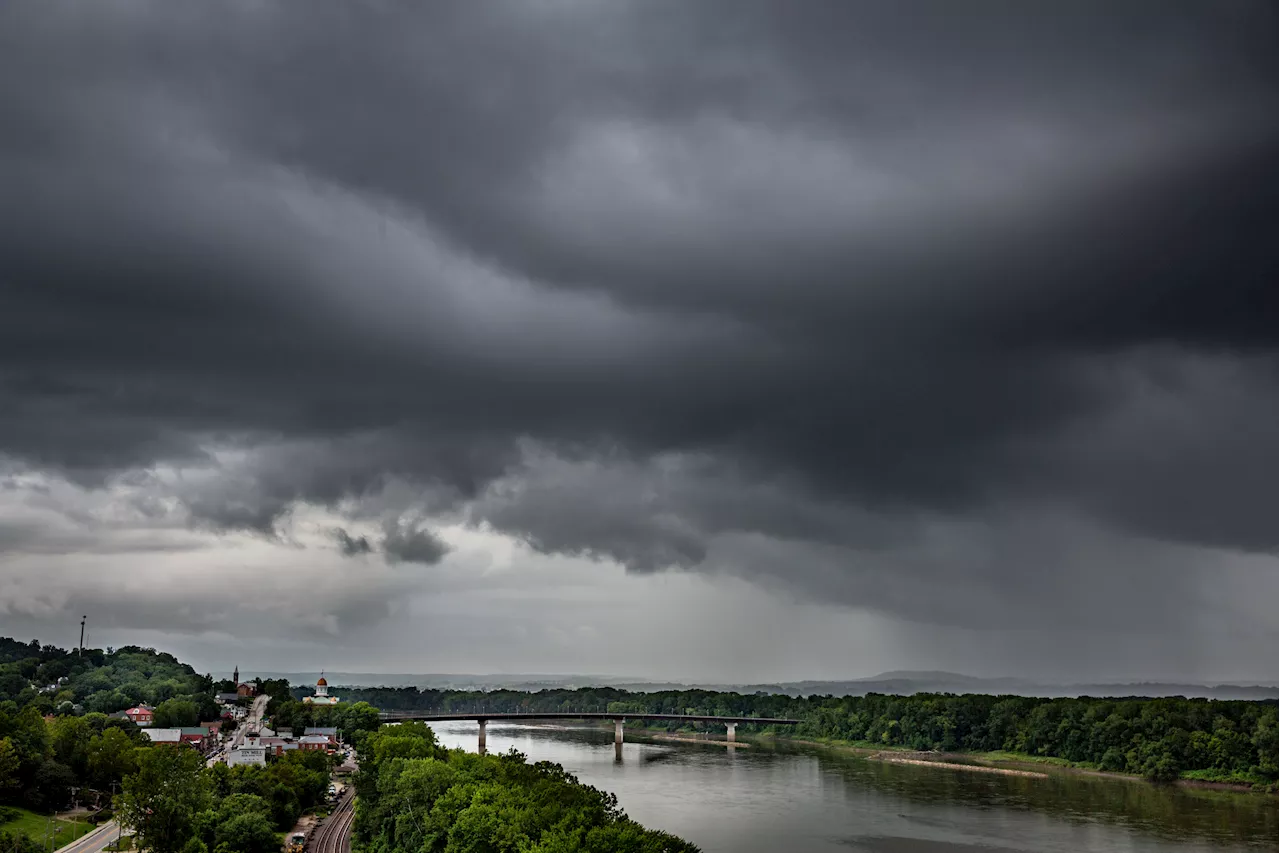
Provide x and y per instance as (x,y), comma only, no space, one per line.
(163,735)
(278,745)
(226,698)
(321,696)
(252,751)
(198,736)
(140,714)
(323,731)
(312,743)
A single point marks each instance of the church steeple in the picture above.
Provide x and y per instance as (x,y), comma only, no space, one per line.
(235,676)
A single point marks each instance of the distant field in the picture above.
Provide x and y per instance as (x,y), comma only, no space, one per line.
(36,827)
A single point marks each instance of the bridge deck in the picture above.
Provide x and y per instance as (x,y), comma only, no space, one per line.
(390,717)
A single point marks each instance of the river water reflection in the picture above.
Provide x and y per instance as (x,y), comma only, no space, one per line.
(797,799)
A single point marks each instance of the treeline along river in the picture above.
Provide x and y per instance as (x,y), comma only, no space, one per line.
(1161,739)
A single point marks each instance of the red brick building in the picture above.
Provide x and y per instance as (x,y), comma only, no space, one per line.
(140,714)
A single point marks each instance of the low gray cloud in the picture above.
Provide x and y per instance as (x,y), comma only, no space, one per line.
(954,317)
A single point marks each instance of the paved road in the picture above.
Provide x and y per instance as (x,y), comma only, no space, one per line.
(94,841)
(252,722)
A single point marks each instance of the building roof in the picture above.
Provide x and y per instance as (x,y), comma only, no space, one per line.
(163,735)
(321,682)
(195,730)
(314,739)
(227,697)
(319,730)
(139,709)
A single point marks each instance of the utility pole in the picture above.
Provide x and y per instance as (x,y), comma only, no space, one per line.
(83,619)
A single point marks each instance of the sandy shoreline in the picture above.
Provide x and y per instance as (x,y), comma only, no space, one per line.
(890,758)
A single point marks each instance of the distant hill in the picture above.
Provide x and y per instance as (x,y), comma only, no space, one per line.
(898,682)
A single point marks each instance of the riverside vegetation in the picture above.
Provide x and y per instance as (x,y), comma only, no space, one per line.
(415,795)
(1160,739)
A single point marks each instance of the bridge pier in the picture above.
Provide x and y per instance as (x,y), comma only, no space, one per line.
(481,748)
(733,728)
(617,731)
(617,752)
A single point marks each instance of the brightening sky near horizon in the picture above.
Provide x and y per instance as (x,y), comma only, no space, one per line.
(730,341)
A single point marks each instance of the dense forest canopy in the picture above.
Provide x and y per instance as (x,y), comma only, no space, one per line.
(52,679)
(55,732)
(414,796)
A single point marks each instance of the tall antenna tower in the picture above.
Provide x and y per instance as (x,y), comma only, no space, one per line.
(83,619)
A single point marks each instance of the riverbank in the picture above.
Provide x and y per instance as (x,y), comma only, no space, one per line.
(999,760)
(1029,764)
(928,760)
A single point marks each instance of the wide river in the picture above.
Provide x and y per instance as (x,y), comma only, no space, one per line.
(794,799)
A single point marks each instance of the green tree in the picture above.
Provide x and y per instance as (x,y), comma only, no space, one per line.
(111,757)
(69,739)
(247,833)
(9,765)
(51,788)
(358,717)
(176,713)
(160,801)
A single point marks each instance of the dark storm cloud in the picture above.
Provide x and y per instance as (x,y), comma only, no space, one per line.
(643,280)
(351,546)
(406,541)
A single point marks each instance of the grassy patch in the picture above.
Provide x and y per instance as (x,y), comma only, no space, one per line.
(847,744)
(1234,778)
(36,827)
(126,843)
(1003,755)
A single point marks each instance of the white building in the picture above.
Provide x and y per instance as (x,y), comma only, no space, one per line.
(163,735)
(321,696)
(252,751)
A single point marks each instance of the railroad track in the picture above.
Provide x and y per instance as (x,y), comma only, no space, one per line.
(333,835)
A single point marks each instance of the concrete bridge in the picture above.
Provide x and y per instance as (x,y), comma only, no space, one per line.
(730,723)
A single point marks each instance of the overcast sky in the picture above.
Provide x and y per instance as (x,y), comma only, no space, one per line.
(722,340)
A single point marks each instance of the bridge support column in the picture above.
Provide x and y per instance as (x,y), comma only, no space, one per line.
(617,732)
(617,751)
(733,728)
(481,748)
